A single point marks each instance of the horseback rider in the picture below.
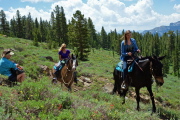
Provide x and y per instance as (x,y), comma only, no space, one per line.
(6,67)
(63,54)
(128,47)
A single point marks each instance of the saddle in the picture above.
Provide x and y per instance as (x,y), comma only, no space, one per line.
(59,67)
(119,66)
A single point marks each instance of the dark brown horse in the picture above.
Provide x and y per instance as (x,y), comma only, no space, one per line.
(141,76)
(67,74)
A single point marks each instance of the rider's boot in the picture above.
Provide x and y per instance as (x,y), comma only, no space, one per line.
(124,84)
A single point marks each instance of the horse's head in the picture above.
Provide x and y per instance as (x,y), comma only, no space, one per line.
(72,63)
(156,68)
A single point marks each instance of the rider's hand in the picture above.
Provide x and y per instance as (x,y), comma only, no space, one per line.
(138,50)
(129,54)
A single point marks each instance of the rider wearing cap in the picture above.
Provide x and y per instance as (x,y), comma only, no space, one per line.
(6,65)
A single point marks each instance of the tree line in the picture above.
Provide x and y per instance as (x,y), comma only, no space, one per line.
(79,34)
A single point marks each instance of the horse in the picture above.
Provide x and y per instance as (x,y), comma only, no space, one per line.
(141,76)
(67,74)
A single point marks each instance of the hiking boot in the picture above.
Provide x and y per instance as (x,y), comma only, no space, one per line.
(124,86)
(54,80)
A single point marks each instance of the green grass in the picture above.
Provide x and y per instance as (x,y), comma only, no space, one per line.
(37,98)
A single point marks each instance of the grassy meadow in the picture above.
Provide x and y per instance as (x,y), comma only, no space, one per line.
(37,99)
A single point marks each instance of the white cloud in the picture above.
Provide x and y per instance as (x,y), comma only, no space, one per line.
(25,11)
(36,1)
(110,14)
(177,7)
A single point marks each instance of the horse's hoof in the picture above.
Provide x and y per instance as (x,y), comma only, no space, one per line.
(112,93)
(138,109)
(54,81)
(123,102)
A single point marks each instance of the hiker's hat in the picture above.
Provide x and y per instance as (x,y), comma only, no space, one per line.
(7,52)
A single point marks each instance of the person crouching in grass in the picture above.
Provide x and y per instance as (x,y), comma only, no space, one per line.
(6,67)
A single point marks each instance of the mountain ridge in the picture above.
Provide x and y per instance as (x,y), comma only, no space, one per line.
(162,29)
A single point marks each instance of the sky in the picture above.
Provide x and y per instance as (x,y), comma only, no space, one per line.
(135,15)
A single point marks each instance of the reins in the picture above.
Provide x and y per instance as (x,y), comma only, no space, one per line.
(66,76)
(137,64)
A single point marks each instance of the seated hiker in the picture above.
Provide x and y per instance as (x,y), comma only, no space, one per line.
(6,67)
(63,55)
(128,47)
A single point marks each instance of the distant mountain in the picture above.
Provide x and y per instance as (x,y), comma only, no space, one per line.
(162,29)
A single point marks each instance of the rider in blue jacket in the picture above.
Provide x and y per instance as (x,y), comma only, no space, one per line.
(128,47)
(6,65)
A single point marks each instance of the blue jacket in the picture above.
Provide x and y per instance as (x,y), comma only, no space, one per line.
(5,66)
(124,48)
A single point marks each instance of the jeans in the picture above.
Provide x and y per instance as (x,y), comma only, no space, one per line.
(125,67)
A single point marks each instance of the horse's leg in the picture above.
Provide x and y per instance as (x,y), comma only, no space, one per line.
(116,81)
(69,88)
(123,94)
(54,81)
(115,88)
(137,98)
(149,88)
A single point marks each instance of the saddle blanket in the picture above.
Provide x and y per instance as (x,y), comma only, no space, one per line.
(59,65)
(119,67)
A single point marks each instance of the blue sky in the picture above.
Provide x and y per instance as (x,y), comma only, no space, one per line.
(120,14)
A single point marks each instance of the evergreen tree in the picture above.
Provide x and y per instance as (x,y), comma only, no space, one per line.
(19,27)
(58,25)
(104,38)
(61,25)
(92,34)
(52,31)
(36,35)
(4,24)
(64,27)
(78,29)
(42,31)
(36,23)
(176,58)
(13,25)
(24,19)
(29,27)
(164,51)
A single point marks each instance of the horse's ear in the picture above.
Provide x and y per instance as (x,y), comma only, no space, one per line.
(162,57)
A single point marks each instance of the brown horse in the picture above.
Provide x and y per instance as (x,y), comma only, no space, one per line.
(141,76)
(67,74)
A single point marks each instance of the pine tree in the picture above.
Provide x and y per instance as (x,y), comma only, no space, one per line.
(64,27)
(78,29)
(92,34)
(61,26)
(24,19)
(29,27)
(104,38)
(19,27)
(13,25)
(42,31)
(4,24)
